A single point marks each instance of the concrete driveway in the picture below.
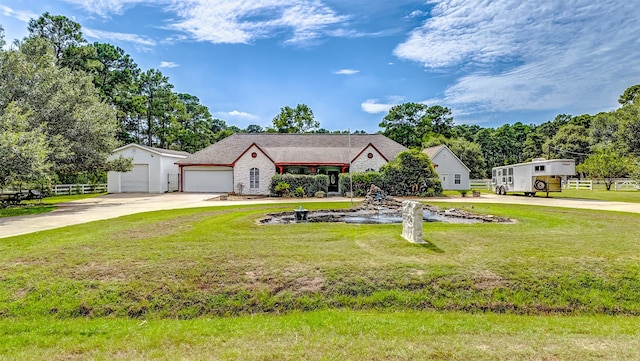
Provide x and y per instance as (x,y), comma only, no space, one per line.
(104,207)
(117,205)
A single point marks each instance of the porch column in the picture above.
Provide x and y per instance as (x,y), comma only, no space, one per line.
(312,170)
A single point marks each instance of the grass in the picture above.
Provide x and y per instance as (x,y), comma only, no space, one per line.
(599,193)
(189,282)
(326,335)
(42,206)
(24,210)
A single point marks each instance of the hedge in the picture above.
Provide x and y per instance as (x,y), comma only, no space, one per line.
(361,182)
(310,183)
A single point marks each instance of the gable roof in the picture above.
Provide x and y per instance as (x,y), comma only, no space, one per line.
(159,151)
(432,152)
(294,148)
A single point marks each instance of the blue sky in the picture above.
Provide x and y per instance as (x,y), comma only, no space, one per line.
(491,62)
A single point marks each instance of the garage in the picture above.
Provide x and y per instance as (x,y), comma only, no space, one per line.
(136,181)
(208,179)
(153,170)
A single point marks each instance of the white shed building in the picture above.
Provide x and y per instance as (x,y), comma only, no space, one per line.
(453,174)
(154,170)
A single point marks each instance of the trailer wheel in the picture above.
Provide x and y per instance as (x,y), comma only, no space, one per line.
(540,185)
(502,191)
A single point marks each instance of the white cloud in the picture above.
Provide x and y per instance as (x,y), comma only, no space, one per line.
(522,55)
(18,14)
(242,21)
(417,14)
(373,106)
(346,72)
(105,8)
(242,115)
(168,64)
(107,35)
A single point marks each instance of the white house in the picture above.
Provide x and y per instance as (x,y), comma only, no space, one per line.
(453,174)
(245,163)
(154,170)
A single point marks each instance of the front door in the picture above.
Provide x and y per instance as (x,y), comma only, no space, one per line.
(333,180)
(444,179)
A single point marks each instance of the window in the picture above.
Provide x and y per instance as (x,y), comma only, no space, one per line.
(539,168)
(254,178)
(456,178)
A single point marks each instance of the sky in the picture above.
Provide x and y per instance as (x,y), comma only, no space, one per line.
(490,62)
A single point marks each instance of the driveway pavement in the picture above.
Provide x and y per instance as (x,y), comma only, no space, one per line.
(117,205)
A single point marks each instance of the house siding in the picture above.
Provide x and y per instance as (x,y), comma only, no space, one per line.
(363,162)
(156,169)
(244,164)
(448,164)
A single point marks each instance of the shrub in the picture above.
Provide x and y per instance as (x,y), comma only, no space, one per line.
(282,188)
(309,183)
(411,173)
(361,182)
(298,192)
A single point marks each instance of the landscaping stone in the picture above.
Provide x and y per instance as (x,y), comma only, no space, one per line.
(412,221)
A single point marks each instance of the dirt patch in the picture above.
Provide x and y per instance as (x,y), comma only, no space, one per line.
(487,280)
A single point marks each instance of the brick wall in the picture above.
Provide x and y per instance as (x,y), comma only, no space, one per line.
(363,162)
(244,165)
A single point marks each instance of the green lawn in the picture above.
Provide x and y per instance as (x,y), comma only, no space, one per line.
(41,206)
(558,284)
(599,192)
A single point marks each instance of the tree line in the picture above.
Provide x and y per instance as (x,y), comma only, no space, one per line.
(605,145)
(65,104)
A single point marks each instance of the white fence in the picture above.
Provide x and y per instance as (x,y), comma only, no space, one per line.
(480,183)
(626,184)
(579,184)
(67,189)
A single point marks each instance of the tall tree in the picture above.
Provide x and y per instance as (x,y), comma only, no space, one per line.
(78,126)
(295,120)
(24,151)
(406,123)
(628,118)
(191,129)
(604,129)
(61,32)
(630,96)
(157,97)
(571,141)
(2,40)
(254,128)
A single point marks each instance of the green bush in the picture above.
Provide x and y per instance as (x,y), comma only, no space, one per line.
(411,173)
(310,184)
(282,188)
(298,192)
(361,182)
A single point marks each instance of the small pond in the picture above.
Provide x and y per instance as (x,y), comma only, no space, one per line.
(381,216)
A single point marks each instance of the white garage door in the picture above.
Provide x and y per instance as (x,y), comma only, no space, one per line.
(213,181)
(137,180)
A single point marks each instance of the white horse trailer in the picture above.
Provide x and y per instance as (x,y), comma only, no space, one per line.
(539,175)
